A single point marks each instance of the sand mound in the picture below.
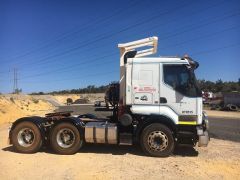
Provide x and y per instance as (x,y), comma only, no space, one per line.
(91,97)
(63,98)
(13,107)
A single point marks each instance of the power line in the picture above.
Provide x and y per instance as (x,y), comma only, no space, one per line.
(47,60)
(204,24)
(101,38)
(69,67)
(216,49)
(66,35)
(98,74)
(108,35)
(76,78)
(73,65)
(201,37)
(63,53)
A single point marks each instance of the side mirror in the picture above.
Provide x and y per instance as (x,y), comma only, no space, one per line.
(191,80)
(174,86)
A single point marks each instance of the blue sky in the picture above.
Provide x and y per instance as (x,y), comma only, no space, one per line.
(65,44)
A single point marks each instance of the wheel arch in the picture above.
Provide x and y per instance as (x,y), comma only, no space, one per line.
(38,121)
(161,119)
(72,120)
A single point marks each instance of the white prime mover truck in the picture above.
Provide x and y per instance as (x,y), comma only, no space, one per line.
(160,106)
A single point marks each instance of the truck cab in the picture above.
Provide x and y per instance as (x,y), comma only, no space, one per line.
(161,90)
(164,86)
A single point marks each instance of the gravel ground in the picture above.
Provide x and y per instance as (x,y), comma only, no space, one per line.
(220,160)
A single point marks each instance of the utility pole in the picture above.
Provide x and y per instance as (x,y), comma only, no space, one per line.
(15,81)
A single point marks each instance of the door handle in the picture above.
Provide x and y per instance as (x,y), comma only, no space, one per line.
(163,100)
(183,102)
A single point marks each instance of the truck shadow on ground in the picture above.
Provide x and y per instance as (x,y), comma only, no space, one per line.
(134,150)
(118,150)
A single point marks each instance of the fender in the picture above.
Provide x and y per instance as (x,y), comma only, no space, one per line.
(154,119)
(38,121)
(73,120)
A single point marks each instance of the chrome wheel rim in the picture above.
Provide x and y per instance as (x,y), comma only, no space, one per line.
(157,141)
(65,138)
(26,137)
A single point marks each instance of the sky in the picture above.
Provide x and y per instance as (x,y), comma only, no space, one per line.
(66,44)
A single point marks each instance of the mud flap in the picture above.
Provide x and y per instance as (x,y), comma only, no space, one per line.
(203,139)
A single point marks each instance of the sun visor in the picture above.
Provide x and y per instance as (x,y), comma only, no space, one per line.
(193,64)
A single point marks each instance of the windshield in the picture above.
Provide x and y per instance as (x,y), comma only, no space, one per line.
(182,79)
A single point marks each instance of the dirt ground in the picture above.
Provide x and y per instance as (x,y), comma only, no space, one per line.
(220,160)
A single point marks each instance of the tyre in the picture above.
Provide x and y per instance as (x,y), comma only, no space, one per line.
(232,107)
(65,139)
(157,140)
(26,137)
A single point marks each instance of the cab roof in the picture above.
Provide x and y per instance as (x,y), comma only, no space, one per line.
(146,60)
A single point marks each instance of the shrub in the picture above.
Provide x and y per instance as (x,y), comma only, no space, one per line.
(35,101)
(11,99)
(69,101)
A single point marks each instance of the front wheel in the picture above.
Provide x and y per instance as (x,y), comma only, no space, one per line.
(65,139)
(157,140)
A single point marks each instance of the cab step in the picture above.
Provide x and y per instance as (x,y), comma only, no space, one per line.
(125,139)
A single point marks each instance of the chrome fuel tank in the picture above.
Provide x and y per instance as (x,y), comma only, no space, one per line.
(101,132)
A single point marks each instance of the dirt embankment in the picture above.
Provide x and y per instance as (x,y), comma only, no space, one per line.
(13,107)
(91,97)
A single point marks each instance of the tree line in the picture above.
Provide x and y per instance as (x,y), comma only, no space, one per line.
(86,90)
(217,86)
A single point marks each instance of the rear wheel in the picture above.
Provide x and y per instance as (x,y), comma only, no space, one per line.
(65,139)
(26,138)
(157,140)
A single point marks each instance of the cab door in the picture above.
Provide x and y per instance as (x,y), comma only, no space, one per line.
(176,93)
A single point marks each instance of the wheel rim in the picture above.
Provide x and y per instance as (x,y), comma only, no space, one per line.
(65,138)
(157,141)
(26,137)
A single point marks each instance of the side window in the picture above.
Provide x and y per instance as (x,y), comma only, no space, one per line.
(175,75)
(178,77)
